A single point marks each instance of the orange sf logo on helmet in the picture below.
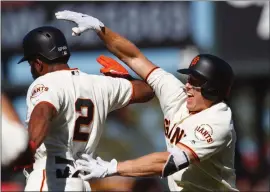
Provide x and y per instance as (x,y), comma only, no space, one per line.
(195,61)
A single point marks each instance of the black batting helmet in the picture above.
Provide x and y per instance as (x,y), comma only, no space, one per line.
(47,42)
(217,73)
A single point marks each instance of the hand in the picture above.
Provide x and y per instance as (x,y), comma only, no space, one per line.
(84,22)
(112,67)
(26,159)
(97,168)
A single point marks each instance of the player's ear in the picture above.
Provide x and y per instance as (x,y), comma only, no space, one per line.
(39,65)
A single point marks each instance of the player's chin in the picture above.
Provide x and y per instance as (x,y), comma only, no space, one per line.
(190,105)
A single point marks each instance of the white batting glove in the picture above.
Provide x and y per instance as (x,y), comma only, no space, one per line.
(95,168)
(84,22)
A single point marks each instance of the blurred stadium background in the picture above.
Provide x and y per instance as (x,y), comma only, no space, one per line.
(169,34)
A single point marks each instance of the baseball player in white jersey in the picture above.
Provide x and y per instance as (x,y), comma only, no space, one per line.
(198,123)
(67,109)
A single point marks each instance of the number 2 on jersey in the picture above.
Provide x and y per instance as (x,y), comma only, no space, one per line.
(85,120)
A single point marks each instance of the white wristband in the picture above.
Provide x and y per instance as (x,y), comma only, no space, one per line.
(112,170)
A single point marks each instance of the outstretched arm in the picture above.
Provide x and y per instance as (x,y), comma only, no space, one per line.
(160,163)
(155,164)
(148,165)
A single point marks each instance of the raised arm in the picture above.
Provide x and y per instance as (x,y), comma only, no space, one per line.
(167,88)
(126,51)
(118,45)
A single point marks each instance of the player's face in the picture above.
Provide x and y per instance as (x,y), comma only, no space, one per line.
(195,101)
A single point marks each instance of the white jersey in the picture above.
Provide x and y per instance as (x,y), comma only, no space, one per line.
(82,102)
(209,135)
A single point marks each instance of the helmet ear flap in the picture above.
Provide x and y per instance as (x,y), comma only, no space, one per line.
(209,93)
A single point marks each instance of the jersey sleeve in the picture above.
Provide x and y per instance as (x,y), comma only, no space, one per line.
(40,91)
(117,92)
(168,89)
(206,140)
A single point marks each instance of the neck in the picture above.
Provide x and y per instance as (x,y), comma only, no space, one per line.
(58,67)
(210,104)
(198,111)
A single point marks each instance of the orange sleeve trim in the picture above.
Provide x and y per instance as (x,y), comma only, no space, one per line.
(191,151)
(150,73)
(48,103)
(43,180)
(132,94)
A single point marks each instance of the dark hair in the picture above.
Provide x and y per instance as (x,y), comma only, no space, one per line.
(60,60)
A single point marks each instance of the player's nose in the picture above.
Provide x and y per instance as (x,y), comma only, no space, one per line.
(188,86)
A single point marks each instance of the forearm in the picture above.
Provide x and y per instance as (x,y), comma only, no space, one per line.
(119,46)
(142,92)
(126,51)
(112,183)
(148,165)
(38,133)
(156,164)
(37,129)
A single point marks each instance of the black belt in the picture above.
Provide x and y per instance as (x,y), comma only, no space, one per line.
(60,160)
(64,173)
(59,172)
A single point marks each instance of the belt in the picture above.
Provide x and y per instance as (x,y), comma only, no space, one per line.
(66,172)
(60,160)
(59,172)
